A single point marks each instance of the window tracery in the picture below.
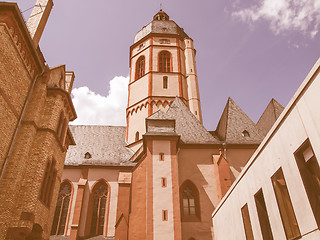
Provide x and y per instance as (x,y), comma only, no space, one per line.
(189,198)
(164,61)
(140,67)
(62,207)
(100,195)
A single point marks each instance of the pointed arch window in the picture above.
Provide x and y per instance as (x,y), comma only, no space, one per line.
(62,207)
(100,195)
(140,67)
(164,61)
(189,200)
(48,181)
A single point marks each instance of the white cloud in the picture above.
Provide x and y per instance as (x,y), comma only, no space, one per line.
(93,108)
(285,15)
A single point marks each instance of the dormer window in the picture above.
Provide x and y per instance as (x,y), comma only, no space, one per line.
(245,133)
(87,155)
(141,46)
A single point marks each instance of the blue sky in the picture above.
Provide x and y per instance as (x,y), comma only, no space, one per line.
(250,50)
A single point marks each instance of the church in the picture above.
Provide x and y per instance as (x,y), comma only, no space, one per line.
(159,177)
(162,175)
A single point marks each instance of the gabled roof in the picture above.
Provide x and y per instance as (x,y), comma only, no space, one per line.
(269,116)
(105,144)
(235,127)
(189,128)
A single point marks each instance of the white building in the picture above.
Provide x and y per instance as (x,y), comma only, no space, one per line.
(277,195)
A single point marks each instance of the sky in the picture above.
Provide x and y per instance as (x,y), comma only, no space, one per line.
(249,50)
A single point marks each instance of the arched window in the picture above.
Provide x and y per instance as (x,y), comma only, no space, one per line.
(99,196)
(164,61)
(189,200)
(140,67)
(165,82)
(137,136)
(61,213)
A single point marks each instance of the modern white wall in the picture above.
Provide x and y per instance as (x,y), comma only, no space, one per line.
(299,121)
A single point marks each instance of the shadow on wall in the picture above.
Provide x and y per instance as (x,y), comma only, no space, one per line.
(195,165)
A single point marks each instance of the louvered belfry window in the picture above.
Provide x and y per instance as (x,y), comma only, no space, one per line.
(100,194)
(164,61)
(140,67)
(61,213)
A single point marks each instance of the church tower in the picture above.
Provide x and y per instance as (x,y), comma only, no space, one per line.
(162,67)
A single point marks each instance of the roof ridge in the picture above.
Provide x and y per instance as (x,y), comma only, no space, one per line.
(274,108)
(228,115)
(93,125)
(187,125)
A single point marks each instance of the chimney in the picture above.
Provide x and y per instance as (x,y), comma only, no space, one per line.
(38,19)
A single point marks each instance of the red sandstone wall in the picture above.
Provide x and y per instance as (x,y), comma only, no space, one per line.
(237,158)
(137,218)
(196,165)
(121,232)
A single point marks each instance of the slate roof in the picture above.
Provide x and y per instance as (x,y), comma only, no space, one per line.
(105,144)
(233,123)
(189,128)
(269,116)
(160,27)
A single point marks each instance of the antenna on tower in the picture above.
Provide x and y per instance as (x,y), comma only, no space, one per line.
(160,6)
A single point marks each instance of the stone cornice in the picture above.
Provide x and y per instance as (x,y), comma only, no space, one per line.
(12,21)
(67,100)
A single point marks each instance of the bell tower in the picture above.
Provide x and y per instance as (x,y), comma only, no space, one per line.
(162,67)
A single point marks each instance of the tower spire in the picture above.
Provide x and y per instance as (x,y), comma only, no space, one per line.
(160,6)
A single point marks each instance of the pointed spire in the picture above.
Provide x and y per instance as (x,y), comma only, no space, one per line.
(236,127)
(269,116)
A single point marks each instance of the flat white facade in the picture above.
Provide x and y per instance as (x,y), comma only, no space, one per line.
(298,123)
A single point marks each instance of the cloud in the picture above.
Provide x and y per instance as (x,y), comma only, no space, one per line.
(285,15)
(95,109)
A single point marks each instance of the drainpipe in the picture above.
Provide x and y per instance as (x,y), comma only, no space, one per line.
(19,122)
